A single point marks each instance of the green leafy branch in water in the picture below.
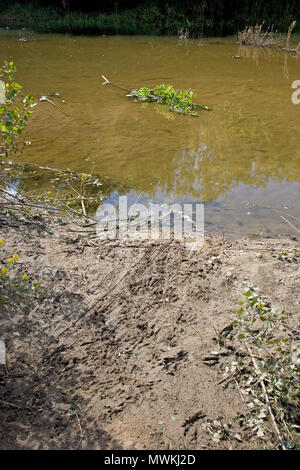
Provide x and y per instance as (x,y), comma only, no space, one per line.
(176,100)
(15,109)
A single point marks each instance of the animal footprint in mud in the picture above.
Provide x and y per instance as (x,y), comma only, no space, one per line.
(213,358)
(170,360)
(199,289)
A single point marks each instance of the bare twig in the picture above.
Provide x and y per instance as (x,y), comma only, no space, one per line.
(83,207)
(48,168)
(107,82)
(44,98)
(290,224)
(238,387)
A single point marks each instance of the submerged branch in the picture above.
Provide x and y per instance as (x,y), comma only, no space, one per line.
(107,82)
(45,98)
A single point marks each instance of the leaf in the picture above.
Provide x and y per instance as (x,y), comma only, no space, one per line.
(248,294)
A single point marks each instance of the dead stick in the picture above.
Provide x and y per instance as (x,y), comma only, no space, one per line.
(107,82)
(48,168)
(238,387)
(44,98)
(290,223)
(83,207)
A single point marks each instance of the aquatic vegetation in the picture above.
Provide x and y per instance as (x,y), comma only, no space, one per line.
(183,34)
(255,36)
(287,48)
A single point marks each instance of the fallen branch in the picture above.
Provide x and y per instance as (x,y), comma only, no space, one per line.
(266,396)
(47,168)
(176,100)
(290,223)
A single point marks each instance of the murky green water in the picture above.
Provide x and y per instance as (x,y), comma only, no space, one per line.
(242,159)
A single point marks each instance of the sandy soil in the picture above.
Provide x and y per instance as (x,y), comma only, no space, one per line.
(112,356)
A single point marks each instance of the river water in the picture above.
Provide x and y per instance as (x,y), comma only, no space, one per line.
(242,159)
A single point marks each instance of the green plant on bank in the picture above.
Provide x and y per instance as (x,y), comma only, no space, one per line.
(14,111)
(288,256)
(267,368)
(15,287)
(176,101)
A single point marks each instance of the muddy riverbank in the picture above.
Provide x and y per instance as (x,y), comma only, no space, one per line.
(112,354)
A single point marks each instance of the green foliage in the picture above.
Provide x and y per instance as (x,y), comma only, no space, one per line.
(15,287)
(274,346)
(70,191)
(14,113)
(177,101)
(209,18)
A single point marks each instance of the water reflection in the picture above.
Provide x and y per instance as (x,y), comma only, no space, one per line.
(260,55)
(246,149)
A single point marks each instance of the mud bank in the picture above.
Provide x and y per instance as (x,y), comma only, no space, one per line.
(112,356)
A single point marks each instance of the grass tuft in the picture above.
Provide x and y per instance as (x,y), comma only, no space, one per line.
(255,36)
